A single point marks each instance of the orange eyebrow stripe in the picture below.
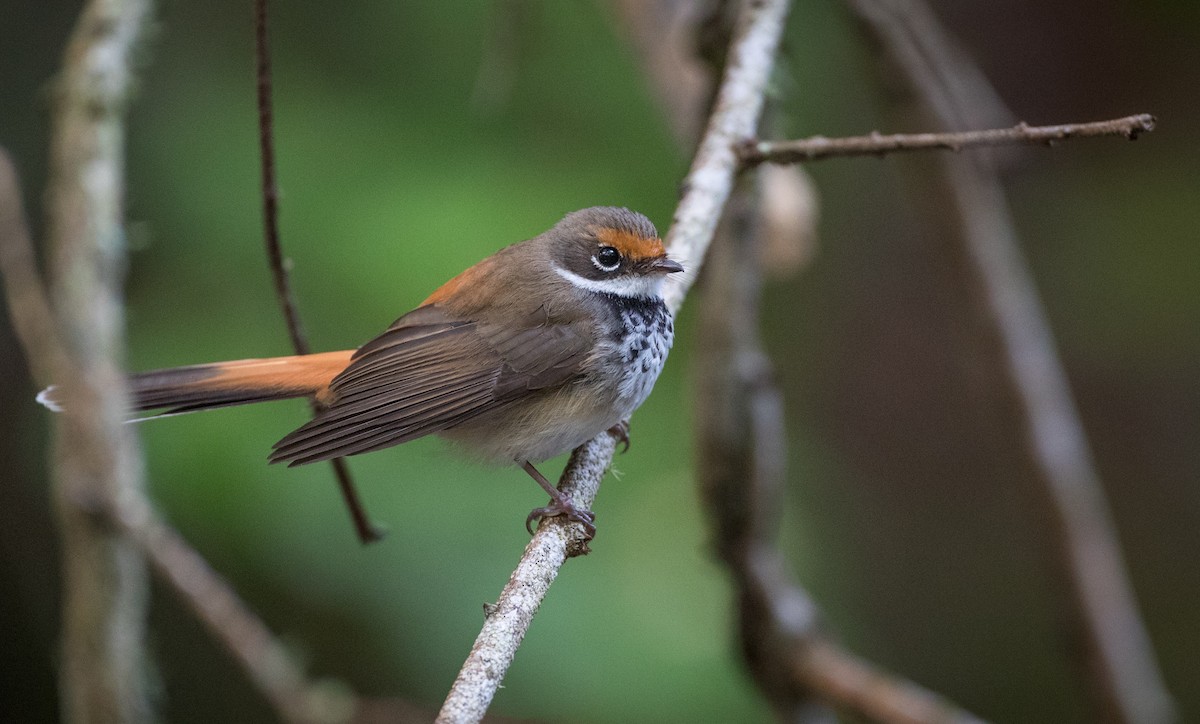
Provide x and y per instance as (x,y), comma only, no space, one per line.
(632,246)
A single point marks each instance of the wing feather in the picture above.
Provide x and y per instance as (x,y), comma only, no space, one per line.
(430,371)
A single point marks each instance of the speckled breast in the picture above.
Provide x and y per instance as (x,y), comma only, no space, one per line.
(647,332)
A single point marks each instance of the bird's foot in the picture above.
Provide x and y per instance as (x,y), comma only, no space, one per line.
(559,505)
(621,432)
(562,506)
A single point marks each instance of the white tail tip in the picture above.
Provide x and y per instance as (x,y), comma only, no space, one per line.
(44,397)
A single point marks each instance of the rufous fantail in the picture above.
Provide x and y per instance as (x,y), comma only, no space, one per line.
(527,354)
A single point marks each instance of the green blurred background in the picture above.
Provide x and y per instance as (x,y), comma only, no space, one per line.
(904,517)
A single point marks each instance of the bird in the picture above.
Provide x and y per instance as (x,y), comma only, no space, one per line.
(523,356)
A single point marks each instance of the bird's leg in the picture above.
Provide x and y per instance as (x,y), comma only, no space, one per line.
(559,505)
(621,431)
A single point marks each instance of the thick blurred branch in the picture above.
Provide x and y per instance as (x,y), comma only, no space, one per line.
(816,148)
(661,33)
(97,462)
(1098,609)
(742,447)
(706,189)
(109,526)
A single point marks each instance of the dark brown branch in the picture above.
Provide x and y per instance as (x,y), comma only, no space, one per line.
(741,445)
(270,186)
(367,532)
(1102,626)
(816,148)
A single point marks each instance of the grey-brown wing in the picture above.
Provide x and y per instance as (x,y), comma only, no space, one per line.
(429,372)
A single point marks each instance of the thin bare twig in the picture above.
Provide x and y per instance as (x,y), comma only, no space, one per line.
(707,187)
(97,461)
(1103,627)
(816,148)
(367,532)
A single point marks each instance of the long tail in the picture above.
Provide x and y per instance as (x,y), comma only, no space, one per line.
(224,384)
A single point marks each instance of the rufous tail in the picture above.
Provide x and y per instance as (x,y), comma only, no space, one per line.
(224,384)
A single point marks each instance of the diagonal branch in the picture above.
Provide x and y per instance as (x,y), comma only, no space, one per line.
(1105,634)
(706,190)
(367,532)
(268,664)
(817,148)
(506,621)
(28,305)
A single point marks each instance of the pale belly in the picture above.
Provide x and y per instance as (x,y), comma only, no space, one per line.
(553,422)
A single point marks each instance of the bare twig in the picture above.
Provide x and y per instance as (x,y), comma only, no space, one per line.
(707,187)
(1105,633)
(742,447)
(270,186)
(367,532)
(816,148)
(97,462)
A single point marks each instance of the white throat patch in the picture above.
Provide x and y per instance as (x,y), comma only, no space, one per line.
(631,286)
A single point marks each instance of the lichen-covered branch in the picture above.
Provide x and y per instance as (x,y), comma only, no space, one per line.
(506,622)
(816,148)
(706,189)
(97,462)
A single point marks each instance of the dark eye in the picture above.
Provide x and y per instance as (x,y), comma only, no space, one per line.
(608,258)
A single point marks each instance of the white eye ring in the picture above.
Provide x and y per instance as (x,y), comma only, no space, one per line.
(607,267)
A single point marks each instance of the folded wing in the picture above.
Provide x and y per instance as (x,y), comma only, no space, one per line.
(429,372)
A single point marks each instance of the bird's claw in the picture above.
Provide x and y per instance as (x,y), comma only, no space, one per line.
(621,432)
(586,518)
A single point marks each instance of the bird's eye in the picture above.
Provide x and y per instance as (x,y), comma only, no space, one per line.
(607,259)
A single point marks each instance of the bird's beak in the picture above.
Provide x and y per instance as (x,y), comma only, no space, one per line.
(664,265)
